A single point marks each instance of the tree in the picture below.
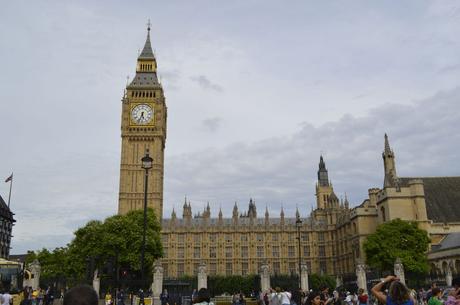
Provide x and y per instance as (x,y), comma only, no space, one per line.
(117,238)
(394,239)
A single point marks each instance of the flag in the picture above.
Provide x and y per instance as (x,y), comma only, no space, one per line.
(10,178)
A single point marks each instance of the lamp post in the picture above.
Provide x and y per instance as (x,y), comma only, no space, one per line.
(298,224)
(146,164)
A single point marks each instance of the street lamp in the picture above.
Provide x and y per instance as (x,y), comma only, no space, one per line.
(147,163)
(298,224)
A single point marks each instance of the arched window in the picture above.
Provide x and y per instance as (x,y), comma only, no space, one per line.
(382,210)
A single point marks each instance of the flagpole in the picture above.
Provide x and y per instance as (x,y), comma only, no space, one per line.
(9,195)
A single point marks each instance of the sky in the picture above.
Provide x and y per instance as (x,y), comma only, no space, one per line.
(256,92)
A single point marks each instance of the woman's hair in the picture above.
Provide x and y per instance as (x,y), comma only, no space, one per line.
(202,296)
(398,292)
(435,291)
(311,296)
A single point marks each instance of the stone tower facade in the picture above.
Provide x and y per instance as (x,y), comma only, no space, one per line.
(143,130)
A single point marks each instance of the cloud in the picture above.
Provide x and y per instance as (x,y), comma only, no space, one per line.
(212,124)
(282,170)
(206,84)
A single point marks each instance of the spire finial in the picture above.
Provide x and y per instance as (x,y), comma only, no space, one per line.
(387,144)
(148,25)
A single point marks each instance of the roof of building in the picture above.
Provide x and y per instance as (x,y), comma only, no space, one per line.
(5,211)
(144,80)
(18,257)
(452,240)
(242,221)
(147,52)
(442,197)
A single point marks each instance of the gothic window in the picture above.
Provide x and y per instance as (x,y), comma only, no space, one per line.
(291,251)
(212,238)
(164,238)
(244,237)
(276,251)
(274,237)
(260,237)
(228,269)
(180,269)
(306,251)
(212,252)
(196,252)
(228,252)
(180,252)
(322,251)
(292,268)
(180,238)
(244,269)
(197,238)
(244,251)
(260,251)
(320,236)
(228,237)
(195,268)
(304,236)
(276,267)
(212,268)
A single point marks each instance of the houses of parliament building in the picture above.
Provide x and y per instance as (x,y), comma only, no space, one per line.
(331,237)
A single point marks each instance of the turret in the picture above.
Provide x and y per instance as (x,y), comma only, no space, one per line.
(323,177)
(389,164)
(252,211)
(282,216)
(235,214)
(267,216)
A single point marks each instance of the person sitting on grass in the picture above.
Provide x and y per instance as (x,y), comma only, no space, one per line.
(398,293)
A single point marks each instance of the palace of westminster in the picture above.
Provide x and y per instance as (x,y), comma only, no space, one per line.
(331,238)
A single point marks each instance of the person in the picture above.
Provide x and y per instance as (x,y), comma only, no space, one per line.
(203,297)
(120,297)
(435,297)
(349,298)
(362,297)
(194,292)
(26,300)
(336,298)
(80,295)
(7,299)
(108,298)
(452,297)
(281,297)
(164,297)
(429,292)
(398,293)
(325,298)
(141,297)
(314,298)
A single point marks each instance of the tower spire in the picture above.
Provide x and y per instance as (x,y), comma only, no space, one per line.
(323,177)
(387,145)
(389,164)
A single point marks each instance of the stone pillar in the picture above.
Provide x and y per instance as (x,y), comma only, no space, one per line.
(96,281)
(35,269)
(157,285)
(264,277)
(338,281)
(449,275)
(399,270)
(202,276)
(361,275)
(304,278)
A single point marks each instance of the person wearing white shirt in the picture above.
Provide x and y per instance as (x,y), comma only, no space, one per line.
(6,298)
(281,297)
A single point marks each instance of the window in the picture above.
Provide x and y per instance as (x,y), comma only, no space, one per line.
(306,251)
(291,237)
(196,252)
(164,238)
(228,252)
(244,269)
(228,237)
(213,268)
(212,252)
(228,269)
(197,238)
(276,267)
(382,210)
(180,252)
(276,251)
(274,237)
(244,251)
(304,237)
(180,269)
(165,252)
(322,267)
(320,236)
(181,238)
(195,268)
(244,237)
(212,238)
(165,270)
(322,251)
(260,237)
(260,251)
(291,251)
(292,268)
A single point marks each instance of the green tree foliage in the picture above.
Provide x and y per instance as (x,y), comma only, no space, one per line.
(394,239)
(117,237)
(318,281)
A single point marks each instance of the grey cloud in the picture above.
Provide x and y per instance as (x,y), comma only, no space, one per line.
(283,169)
(212,124)
(206,84)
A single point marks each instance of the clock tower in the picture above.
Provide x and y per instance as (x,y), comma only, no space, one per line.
(143,130)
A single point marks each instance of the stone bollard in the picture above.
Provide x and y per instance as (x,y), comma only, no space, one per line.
(361,275)
(202,276)
(304,278)
(157,285)
(35,269)
(264,277)
(399,270)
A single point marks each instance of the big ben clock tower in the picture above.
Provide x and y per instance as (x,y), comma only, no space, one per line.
(143,130)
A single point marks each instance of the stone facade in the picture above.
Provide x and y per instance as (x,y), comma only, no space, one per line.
(6,227)
(331,237)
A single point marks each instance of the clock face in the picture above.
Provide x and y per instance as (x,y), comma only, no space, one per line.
(142,114)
